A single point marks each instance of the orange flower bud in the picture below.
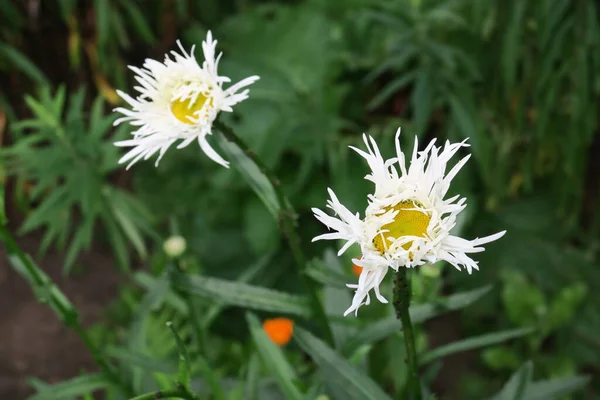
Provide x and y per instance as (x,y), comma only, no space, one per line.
(279,330)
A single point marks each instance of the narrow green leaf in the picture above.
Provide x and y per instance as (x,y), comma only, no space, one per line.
(252,174)
(512,45)
(555,388)
(43,287)
(132,358)
(252,378)
(274,359)
(21,62)
(211,379)
(418,313)
(390,89)
(473,343)
(242,294)
(103,15)
(41,112)
(130,231)
(337,371)
(184,377)
(139,21)
(71,388)
(517,385)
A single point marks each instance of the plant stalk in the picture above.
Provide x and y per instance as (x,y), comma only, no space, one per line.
(69,316)
(287,222)
(401,304)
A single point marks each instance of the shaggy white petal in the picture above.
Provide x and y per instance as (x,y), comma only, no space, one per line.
(178,79)
(423,183)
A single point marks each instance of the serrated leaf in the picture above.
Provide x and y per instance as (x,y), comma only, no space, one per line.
(274,359)
(473,343)
(555,388)
(337,370)
(71,388)
(242,295)
(184,376)
(517,385)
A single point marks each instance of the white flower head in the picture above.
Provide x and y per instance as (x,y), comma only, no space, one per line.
(178,100)
(407,222)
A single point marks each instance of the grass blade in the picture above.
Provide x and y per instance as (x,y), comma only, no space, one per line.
(242,294)
(337,370)
(274,359)
(473,343)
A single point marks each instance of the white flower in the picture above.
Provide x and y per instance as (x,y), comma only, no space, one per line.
(178,100)
(407,221)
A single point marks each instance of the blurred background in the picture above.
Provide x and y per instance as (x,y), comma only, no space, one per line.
(519,78)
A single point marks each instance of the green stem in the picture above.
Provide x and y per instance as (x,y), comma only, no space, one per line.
(192,310)
(287,221)
(68,315)
(167,394)
(401,304)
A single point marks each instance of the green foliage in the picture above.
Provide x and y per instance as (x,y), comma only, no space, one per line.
(64,161)
(274,360)
(517,78)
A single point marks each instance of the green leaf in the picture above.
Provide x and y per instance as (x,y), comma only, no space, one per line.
(184,376)
(71,388)
(473,343)
(21,62)
(43,287)
(555,388)
(130,231)
(418,313)
(517,385)
(274,359)
(512,45)
(252,377)
(139,21)
(252,174)
(132,358)
(242,294)
(211,379)
(337,371)
(103,15)
(390,89)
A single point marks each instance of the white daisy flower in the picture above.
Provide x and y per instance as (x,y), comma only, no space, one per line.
(178,100)
(407,221)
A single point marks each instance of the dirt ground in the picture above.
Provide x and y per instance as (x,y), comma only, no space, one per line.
(33,342)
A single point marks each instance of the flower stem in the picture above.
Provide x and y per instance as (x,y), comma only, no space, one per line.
(401,303)
(23,263)
(287,222)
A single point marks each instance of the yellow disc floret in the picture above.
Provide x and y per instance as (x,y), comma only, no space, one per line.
(408,222)
(183,110)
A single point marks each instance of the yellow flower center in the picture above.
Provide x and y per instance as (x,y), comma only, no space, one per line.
(183,109)
(406,223)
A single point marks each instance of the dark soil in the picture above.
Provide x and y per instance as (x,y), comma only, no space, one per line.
(33,341)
